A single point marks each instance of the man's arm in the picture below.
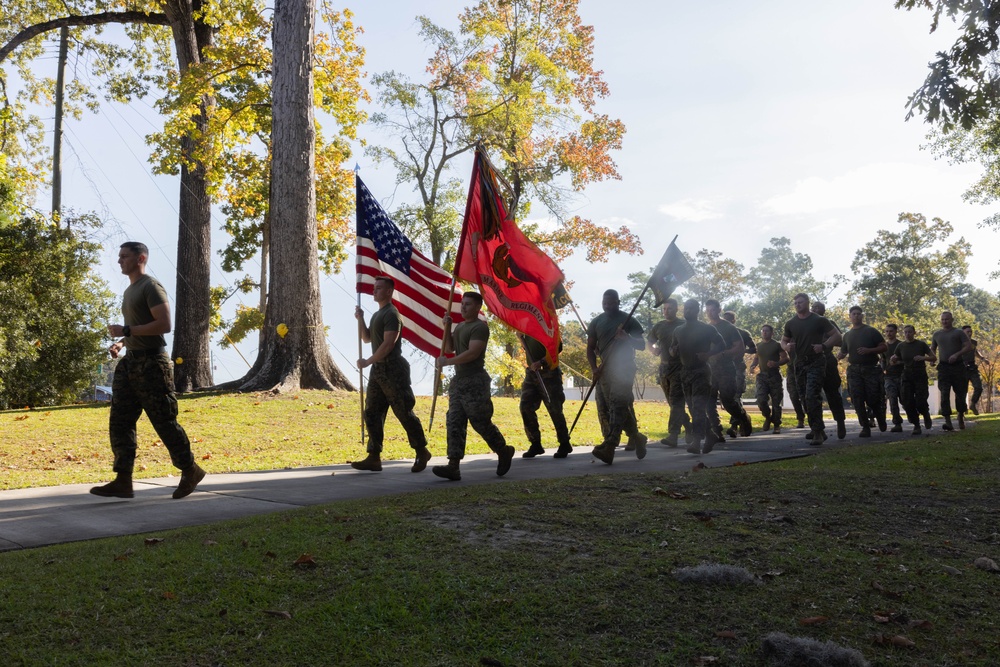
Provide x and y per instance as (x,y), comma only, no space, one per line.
(388,342)
(476,348)
(366,334)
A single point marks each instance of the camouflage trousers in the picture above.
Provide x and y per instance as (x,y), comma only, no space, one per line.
(697,385)
(893,389)
(810,375)
(533,396)
(793,395)
(831,387)
(389,387)
(145,381)
(614,407)
(865,384)
(952,379)
(673,391)
(914,391)
(976,381)
(726,389)
(469,402)
(770,395)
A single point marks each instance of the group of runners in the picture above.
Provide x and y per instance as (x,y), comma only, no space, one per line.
(702,364)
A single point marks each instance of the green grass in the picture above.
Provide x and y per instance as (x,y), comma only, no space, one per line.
(566,572)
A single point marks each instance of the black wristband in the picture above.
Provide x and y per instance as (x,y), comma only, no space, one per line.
(126,331)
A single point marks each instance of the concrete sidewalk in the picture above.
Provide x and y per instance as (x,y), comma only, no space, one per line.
(52,515)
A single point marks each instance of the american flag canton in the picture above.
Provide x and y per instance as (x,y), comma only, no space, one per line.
(391,244)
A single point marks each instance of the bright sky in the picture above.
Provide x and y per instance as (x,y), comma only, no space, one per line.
(745,121)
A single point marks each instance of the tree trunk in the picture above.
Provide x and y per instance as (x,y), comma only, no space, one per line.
(194,237)
(299,358)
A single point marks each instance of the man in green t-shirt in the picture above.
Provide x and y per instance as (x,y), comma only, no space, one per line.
(725,376)
(831,380)
(862,346)
(542,384)
(972,371)
(144,379)
(615,336)
(696,344)
(912,356)
(389,380)
(669,373)
(950,345)
(808,337)
(770,395)
(892,376)
(469,399)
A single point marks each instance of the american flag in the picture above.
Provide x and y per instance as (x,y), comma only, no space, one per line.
(422,286)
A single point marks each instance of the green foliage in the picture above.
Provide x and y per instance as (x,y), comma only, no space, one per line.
(54,310)
(716,277)
(906,276)
(780,274)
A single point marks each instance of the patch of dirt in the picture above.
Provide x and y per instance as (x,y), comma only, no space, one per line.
(474,531)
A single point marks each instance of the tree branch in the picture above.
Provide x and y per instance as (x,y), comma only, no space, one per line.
(75,21)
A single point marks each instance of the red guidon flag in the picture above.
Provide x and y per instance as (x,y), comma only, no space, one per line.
(515,277)
(422,287)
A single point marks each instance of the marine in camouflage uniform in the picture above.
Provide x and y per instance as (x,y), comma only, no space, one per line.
(389,380)
(726,376)
(808,336)
(831,379)
(770,358)
(469,399)
(543,383)
(669,372)
(695,344)
(972,371)
(912,356)
(950,345)
(893,377)
(862,346)
(144,380)
(615,336)
(749,347)
(793,393)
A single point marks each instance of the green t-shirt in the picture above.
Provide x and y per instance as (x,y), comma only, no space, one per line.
(730,334)
(863,336)
(906,351)
(138,302)
(603,328)
(768,351)
(890,349)
(693,337)
(806,332)
(949,342)
(465,333)
(386,319)
(662,335)
(536,352)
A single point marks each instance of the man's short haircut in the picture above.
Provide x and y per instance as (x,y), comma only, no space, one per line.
(387,279)
(475,296)
(729,316)
(801,294)
(136,247)
(967,326)
(857,308)
(712,302)
(692,302)
(909,326)
(611,292)
(672,301)
(892,325)
(946,312)
(767,326)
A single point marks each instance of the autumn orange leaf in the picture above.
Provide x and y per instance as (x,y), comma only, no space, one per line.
(813,620)
(725,634)
(152,541)
(306,560)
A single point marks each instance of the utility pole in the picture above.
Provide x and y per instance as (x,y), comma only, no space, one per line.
(57,134)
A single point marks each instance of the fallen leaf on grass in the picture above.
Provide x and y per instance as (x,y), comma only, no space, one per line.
(152,541)
(210,543)
(740,463)
(921,624)
(306,560)
(659,492)
(278,614)
(725,634)
(813,620)
(206,456)
(21,418)
(167,595)
(490,662)
(700,466)
(882,619)
(885,591)
(987,564)
(705,660)
(894,640)
(125,555)
(954,571)
(270,554)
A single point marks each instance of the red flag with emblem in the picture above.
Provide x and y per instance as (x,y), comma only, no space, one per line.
(515,278)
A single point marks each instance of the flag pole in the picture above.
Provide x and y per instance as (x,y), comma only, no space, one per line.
(361,324)
(538,374)
(476,169)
